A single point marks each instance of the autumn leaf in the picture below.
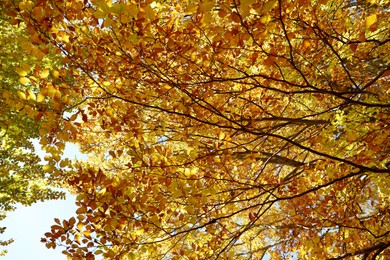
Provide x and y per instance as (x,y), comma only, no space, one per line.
(371,20)
(44,74)
(24,80)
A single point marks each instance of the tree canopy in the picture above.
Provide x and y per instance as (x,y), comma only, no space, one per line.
(217,129)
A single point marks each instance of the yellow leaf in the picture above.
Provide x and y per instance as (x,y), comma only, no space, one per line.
(63,163)
(40,98)
(77,237)
(265,19)
(133,10)
(31,95)
(22,6)
(138,232)
(371,20)
(7,95)
(130,256)
(87,233)
(190,209)
(48,168)
(21,95)
(206,6)
(104,6)
(99,14)
(57,94)
(44,74)
(24,80)
(51,91)
(56,74)
(99,252)
(80,225)
(149,13)
(269,6)
(125,19)
(118,8)
(22,72)
(246,6)
(155,220)
(191,8)
(177,194)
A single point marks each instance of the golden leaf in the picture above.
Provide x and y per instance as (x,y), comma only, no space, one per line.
(44,74)
(370,21)
(24,80)
(21,95)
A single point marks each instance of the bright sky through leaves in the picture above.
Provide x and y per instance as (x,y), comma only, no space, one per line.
(26,225)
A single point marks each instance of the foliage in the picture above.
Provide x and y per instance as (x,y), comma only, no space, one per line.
(22,179)
(220,129)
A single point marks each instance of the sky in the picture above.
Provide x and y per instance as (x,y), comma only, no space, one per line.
(27,225)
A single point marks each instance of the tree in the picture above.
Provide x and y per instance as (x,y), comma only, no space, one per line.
(22,179)
(220,129)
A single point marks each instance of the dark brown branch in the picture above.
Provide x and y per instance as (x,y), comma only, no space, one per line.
(366,251)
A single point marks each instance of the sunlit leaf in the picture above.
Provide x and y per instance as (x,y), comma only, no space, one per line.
(371,20)
(24,80)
